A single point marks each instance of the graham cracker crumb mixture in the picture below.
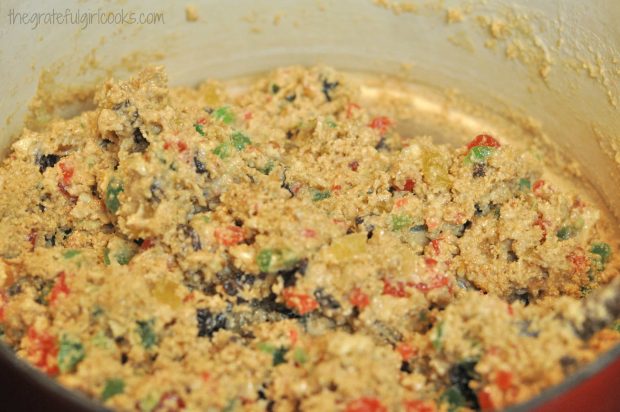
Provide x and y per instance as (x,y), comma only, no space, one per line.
(281,250)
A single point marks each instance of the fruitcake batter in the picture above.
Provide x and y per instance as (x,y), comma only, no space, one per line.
(286,249)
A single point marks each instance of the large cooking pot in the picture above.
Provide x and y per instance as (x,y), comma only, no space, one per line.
(557,61)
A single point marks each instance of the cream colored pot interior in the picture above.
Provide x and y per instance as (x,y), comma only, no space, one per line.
(554,60)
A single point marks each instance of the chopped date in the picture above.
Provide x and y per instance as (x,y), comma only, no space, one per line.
(170,401)
(209,323)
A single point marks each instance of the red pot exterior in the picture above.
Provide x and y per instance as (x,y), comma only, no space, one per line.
(599,393)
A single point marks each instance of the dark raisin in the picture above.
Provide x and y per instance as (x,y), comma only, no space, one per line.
(292,133)
(156,191)
(230,287)
(382,144)
(279,356)
(209,323)
(247,334)
(105,143)
(50,240)
(459,231)
(199,166)
(327,88)
(271,405)
(512,256)
(288,275)
(464,283)
(460,376)
(208,110)
(275,88)
(479,170)
(196,281)
(122,105)
(359,220)
(233,279)
(370,230)
(66,232)
(287,186)
(466,226)
(140,144)
(325,299)
(479,211)
(47,160)
(124,358)
(43,288)
(522,295)
(568,364)
(15,289)
(524,329)
(261,394)
(406,367)
(291,97)
(189,232)
(94,191)
(271,307)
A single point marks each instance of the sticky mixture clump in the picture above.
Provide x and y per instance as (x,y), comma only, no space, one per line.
(284,249)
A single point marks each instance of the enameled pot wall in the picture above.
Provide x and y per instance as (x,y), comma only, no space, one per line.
(555,60)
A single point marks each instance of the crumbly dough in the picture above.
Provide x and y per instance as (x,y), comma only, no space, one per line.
(285,250)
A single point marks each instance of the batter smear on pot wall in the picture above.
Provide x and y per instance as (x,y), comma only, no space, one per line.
(282,249)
